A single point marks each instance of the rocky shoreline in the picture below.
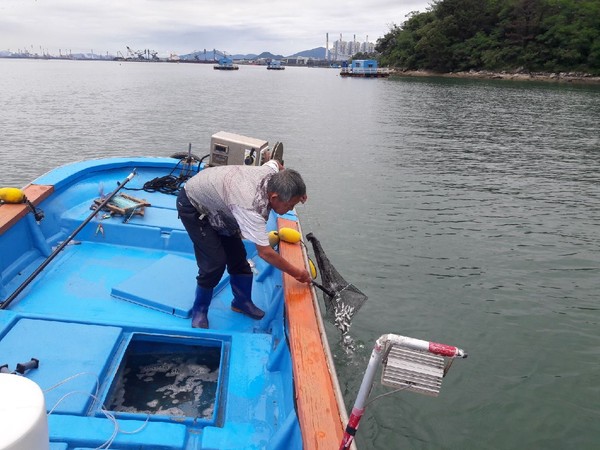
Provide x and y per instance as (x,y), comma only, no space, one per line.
(566,77)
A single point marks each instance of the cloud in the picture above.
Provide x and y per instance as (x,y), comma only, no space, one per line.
(182,26)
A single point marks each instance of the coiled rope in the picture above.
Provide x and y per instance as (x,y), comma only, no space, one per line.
(171,184)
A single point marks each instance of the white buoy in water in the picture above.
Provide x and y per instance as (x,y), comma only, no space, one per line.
(22,414)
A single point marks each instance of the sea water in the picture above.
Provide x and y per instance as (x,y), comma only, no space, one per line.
(468,211)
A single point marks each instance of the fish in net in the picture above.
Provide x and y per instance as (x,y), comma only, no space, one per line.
(342,299)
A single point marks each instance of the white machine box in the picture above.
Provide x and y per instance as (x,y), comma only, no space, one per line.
(234,149)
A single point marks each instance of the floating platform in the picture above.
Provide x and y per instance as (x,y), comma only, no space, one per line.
(365,75)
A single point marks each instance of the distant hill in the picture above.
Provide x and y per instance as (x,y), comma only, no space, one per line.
(249,56)
(205,55)
(316,53)
(263,55)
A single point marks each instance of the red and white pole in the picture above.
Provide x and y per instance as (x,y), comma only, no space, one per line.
(376,356)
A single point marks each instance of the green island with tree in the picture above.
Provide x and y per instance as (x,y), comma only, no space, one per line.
(543,38)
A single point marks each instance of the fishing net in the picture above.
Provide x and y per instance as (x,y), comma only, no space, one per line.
(342,299)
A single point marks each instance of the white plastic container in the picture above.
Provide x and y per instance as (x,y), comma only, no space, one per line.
(23,420)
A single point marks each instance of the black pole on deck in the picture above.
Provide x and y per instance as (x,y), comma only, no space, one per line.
(47,261)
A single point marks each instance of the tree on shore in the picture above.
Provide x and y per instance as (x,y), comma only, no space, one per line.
(495,35)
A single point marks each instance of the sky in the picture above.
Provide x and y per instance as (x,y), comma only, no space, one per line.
(183,26)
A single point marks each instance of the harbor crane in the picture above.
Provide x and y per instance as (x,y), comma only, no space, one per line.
(142,55)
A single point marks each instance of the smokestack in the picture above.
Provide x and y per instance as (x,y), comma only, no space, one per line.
(327,46)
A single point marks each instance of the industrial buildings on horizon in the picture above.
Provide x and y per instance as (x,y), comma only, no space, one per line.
(344,50)
(339,51)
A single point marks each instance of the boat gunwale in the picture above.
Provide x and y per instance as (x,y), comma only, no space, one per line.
(305,331)
(10,214)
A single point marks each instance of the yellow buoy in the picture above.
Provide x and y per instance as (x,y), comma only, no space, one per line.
(12,195)
(289,235)
(273,238)
(313,269)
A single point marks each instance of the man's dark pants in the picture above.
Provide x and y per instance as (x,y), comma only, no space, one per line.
(213,251)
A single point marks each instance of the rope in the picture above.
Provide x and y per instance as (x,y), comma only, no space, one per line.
(166,185)
(448,365)
(385,394)
(171,184)
(111,417)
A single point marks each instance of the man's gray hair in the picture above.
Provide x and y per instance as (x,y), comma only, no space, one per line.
(287,183)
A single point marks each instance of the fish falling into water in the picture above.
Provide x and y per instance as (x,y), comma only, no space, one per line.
(342,299)
(342,316)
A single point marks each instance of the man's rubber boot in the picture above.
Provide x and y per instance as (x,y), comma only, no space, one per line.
(200,309)
(241,286)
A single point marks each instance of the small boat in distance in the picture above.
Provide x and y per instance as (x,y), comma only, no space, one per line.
(363,68)
(275,64)
(226,63)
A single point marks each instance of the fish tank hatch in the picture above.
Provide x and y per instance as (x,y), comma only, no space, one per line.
(168,379)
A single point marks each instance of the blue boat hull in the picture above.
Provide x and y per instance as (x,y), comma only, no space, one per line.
(123,288)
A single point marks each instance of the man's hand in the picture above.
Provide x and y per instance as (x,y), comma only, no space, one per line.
(303,276)
(275,259)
